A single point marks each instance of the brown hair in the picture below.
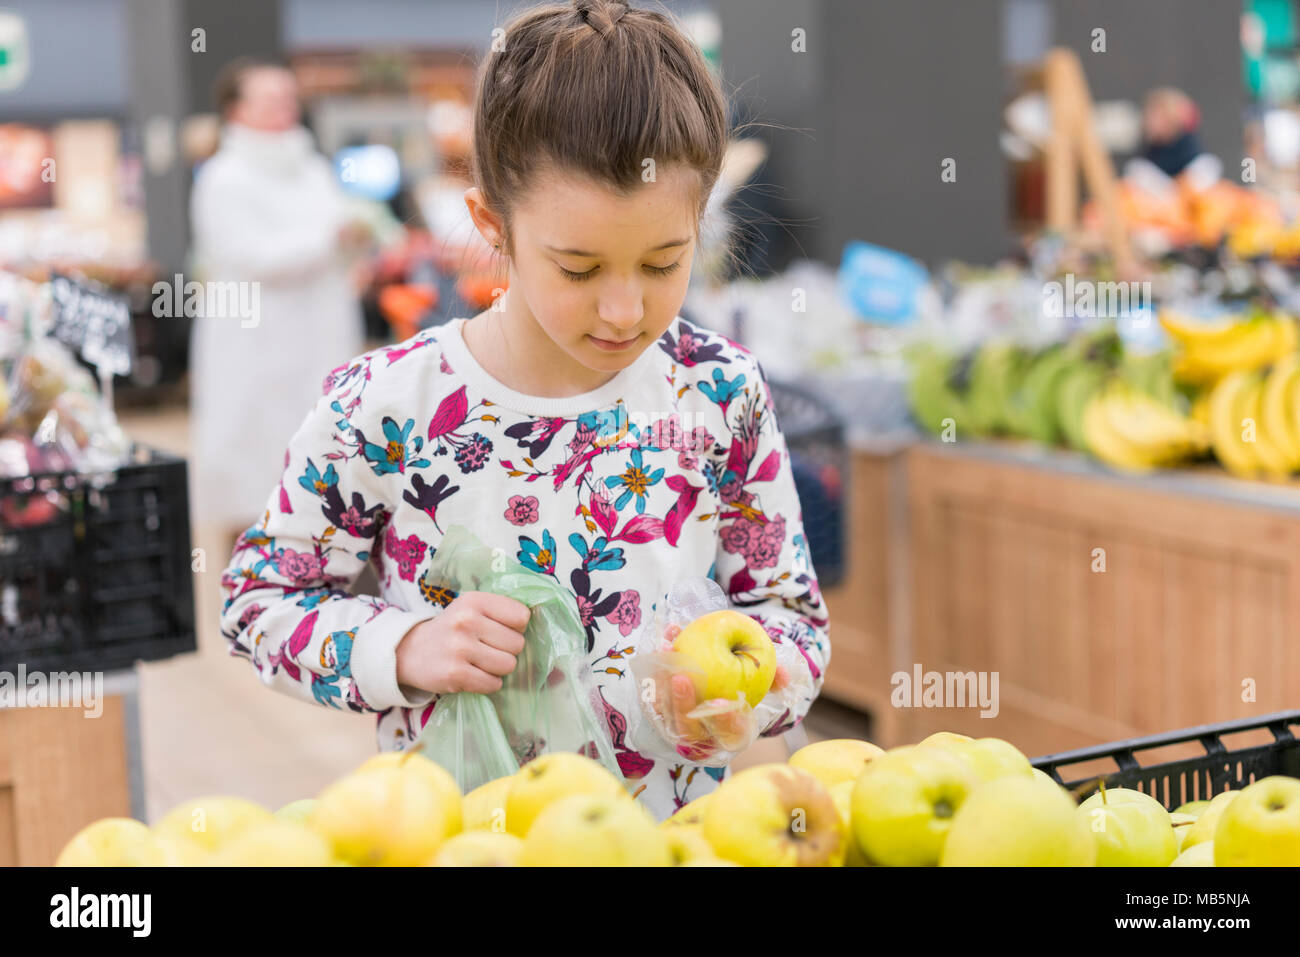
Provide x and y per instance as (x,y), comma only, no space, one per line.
(594,87)
(228,88)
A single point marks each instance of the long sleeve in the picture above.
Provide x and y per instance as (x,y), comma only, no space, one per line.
(287,606)
(762,555)
(235,234)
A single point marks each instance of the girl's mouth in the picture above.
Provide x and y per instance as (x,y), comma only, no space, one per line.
(610,346)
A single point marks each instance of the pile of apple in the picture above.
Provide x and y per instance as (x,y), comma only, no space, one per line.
(948,800)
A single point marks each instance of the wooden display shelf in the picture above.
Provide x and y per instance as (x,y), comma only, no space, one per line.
(996,568)
(61,769)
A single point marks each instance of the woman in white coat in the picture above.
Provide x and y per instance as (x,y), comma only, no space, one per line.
(270,236)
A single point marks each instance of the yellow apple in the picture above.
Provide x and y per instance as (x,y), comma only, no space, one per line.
(1041,775)
(1131,829)
(692,812)
(1202,855)
(773,815)
(990,757)
(112,842)
(1182,823)
(275,843)
(480,848)
(904,802)
(1203,829)
(415,763)
(842,795)
(179,852)
(946,737)
(299,810)
(383,816)
(687,842)
(1261,828)
(484,808)
(553,776)
(709,862)
(728,654)
(836,761)
(1192,808)
(210,822)
(595,830)
(1018,821)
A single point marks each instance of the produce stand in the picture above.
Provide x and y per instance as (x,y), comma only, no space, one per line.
(985,557)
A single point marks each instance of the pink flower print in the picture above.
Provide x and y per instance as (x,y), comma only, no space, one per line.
(763,552)
(627,615)
(250,615)
(407,552)
(584,610)
(301,568)
(522,510)
(735,537)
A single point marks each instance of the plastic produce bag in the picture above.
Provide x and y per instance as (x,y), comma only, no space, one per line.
(713,732)
(544,705)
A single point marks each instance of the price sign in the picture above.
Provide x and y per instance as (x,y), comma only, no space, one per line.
(94,323)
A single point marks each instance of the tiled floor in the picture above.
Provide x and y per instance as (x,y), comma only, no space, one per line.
(209,727)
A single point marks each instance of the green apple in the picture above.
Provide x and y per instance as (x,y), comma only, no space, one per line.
(1131,829)
(1194,808)
(1202,855)
(728,654)
(595,830)
(1261,828)
(773,815)
(836,761)
(904,802)
(1019,821)
(210,822)
(1203,829)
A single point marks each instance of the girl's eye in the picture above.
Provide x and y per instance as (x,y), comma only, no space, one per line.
(577,276)
(663,270)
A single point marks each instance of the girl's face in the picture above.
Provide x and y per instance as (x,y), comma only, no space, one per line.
(602,276)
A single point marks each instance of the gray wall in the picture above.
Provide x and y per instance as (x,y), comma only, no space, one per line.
(886,91)
(78,60)
(1191,44)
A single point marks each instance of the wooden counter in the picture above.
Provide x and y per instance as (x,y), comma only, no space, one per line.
(1109,606)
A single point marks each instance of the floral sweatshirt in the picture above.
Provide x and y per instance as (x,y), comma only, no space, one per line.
(674,468)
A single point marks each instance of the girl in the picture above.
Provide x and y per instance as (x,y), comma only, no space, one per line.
(579,422)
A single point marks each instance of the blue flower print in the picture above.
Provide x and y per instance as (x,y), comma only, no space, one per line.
(634,481)
(597,556)
(538,558)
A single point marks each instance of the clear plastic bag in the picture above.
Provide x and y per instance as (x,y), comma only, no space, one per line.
(709,732)
(544,705)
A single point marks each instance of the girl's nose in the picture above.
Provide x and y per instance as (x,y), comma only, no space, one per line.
(622,306)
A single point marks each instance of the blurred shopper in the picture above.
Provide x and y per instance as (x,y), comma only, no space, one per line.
(1171,146)
(269,218)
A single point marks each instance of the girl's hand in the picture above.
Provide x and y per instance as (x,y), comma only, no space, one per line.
(470,646)
(730,730)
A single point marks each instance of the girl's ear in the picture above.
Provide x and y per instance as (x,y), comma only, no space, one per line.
(486,221)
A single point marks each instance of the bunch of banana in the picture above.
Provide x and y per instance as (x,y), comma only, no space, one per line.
(1254,420)
(1209,351)
(1130,430)
(937,388)
(995,376)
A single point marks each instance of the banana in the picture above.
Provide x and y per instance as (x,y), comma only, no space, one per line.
(931,392)
(1073,393)
(1229,407)
(1189,331)
(1272,459)
(1254,343)
(1130,430)
(1277,414)
(1033,409)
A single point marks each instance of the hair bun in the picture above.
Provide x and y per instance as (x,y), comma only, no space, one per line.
(600,15)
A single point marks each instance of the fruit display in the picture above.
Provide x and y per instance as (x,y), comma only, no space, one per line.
(1229,388)
(947,800)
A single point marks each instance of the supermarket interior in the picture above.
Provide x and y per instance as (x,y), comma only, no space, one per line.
(1015,284)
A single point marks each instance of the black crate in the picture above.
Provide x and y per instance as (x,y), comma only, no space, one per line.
(107,580)
(819,458)
(1173,783)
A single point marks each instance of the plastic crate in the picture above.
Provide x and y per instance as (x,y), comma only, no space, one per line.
(1173,783)
(819,459)
(106,581)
